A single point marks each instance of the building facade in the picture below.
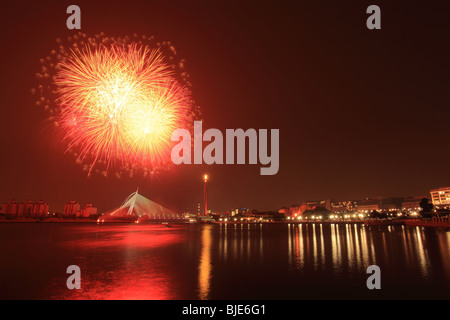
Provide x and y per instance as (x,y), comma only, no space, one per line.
(440,197)
(71,208)
(88,211)
(29,209)
(412,204)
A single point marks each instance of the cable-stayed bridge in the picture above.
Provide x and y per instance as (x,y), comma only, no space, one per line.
(137,208)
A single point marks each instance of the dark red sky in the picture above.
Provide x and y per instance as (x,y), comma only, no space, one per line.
(361,113)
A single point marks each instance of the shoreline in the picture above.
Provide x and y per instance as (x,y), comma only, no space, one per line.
(404,222)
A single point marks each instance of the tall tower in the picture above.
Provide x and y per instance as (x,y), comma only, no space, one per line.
(205,198)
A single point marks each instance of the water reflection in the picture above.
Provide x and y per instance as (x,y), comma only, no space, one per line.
(245,241)
(352,246)
(261,241)
(422,255)
(444,250)
(204,275)
(226,261)
(118,263)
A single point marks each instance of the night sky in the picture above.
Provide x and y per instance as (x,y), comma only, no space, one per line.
(360,112)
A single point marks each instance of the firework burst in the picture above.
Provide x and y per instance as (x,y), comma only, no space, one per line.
(116,101)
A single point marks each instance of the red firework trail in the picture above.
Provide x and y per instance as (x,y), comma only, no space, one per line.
(117,102)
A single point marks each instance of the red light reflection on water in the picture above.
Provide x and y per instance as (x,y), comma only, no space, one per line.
(136,236)
(124,286)
(136,272)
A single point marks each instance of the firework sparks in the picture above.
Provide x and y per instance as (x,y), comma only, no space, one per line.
(117,101)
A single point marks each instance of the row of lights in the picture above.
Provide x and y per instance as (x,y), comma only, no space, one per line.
(234,219)
(347,216)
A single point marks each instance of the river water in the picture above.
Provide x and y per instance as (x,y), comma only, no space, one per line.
(228,261)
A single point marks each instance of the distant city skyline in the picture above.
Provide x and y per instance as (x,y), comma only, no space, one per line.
(439,197)
(360,112)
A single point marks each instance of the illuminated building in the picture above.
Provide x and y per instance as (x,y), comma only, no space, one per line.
(71,208)
(440,197)
(20,209)
(368,205)
(25,210)
(11,209)
(380,203)
(4,207)
(28,208)
(412,203)
(39,208)
(88,211)
(318,203)
(343,206)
